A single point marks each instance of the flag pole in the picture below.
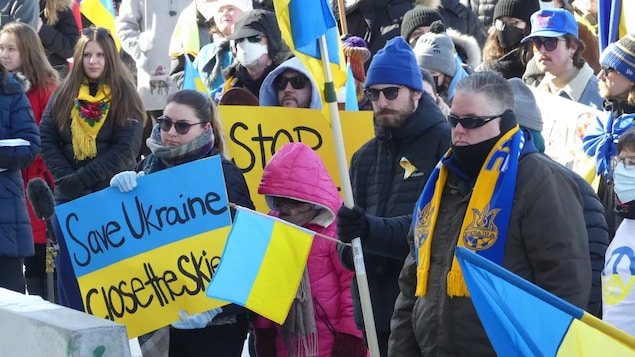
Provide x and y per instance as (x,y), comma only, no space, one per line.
(347,192)
(341,7)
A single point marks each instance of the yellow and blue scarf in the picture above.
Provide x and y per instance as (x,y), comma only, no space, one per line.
(484,227)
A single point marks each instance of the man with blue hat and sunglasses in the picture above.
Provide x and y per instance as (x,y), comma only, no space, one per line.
(558,54)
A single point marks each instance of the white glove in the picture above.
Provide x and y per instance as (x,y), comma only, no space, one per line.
(189,322)
(125,181)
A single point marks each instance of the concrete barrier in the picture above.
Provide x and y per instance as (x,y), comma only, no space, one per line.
(31,326)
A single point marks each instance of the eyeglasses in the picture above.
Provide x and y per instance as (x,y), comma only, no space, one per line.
(181,127)
(519,24)
(550,43)
(606,70)
(291,204)
(390,93)
(628,161)
(100,31)
(297,82)
(252,39)
(471,122)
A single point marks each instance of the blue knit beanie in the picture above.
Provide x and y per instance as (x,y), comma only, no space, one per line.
(620,55)
(395,64)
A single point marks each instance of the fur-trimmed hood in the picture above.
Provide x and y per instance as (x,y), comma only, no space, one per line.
(26,83)
(467,47)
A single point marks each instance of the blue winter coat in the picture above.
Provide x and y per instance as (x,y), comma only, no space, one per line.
(16,122)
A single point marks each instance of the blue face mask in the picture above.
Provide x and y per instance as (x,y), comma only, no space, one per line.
(624,180)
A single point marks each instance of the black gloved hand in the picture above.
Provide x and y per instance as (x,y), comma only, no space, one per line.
(351,223)
(71,187)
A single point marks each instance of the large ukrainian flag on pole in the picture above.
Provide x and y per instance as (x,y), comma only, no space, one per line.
(262,264)
(302,24)
(102,14)
(522,319)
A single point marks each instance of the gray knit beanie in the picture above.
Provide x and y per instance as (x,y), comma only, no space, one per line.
(435,50)
(527,112)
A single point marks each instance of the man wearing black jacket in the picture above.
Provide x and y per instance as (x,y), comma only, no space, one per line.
(388,174)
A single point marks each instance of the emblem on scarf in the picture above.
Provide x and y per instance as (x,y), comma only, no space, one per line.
(423,224)
(91,112)
(481,233)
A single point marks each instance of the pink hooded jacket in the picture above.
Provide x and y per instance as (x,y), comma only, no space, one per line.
(297,172)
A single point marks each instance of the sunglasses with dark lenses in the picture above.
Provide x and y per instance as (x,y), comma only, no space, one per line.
(607,70)
(181,127)
(471,122)
(100,31)
(390,93)
(297,82)
(252,39)
(550,43)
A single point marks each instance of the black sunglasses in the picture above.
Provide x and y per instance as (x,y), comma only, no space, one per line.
(607,70)
(297,82)
(181,127)
(100,31)
(390,93)
(550,43)
(471,122)
(252,39)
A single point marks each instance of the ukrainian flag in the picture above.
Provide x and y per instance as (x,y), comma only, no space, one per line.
(302,23)
(191,78)
(102,14)
(262,264)
(522,319)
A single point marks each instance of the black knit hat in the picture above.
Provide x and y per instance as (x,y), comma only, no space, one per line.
(258,22)
(520,9)
(418,17)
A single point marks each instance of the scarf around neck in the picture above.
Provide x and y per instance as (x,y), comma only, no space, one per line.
(167,156)
(87,118)
(299,331)
(484,228)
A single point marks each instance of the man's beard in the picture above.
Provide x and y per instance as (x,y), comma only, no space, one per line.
(397,117)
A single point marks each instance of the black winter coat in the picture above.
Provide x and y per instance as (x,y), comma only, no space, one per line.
(117,149)
(379,187)
(60,39)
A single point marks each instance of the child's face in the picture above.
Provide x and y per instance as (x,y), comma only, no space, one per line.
(9,54)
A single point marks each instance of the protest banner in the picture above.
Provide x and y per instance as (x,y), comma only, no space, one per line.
(564,125)
(254,134)
(141,256)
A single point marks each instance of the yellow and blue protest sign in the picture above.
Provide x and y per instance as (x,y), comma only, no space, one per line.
(254,134)
(141,256)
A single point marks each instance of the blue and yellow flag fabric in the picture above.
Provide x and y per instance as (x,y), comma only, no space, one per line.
(191,78)
(522,319)
(302,23)
(102,14)
(263,263)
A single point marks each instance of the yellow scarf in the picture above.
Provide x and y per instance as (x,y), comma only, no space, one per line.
(87,117)
(486,219)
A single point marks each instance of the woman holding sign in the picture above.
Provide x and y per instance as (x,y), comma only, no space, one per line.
(190,130)
(91,129)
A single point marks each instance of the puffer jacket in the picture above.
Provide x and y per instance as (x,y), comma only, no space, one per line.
(382,190)
(546,244)
(117,149)
(295,171)
(269,94)
(59,38)
(16,122)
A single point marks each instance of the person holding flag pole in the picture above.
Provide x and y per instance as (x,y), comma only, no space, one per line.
(315,41)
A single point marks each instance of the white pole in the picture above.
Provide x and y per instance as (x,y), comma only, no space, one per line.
(347,191)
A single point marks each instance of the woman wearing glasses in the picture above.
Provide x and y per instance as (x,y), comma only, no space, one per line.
(91,129)
(618,276)
(190,130)
(502,51)
(299,190)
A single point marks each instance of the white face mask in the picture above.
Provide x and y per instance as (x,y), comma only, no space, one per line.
(624,183)
(248,53)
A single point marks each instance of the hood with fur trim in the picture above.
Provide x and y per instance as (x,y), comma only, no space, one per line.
(269,94)
(467,47)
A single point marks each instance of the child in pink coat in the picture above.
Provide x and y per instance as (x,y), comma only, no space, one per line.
(298,189)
